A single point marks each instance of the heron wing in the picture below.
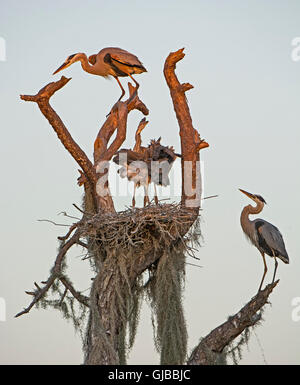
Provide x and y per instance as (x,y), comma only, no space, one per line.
(159,152)
(272,237)
(121,56)
(127,59)
(168,153)
(125,156)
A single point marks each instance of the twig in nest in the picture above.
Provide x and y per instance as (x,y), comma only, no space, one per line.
(83,212)
(192,264)
(78,208)
(80,243)
(65,237)
(54,223)
(211,196)
(64,213)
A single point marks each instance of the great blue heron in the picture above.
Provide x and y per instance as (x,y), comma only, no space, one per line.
(144,165)
(109,61)
(135,169)
(264,236)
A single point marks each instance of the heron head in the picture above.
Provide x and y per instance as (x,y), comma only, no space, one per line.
(69,60)
(256,198)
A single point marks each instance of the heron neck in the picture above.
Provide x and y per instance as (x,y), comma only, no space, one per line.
(86,66)
(248,210)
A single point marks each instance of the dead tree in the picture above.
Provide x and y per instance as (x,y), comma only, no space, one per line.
(123,246)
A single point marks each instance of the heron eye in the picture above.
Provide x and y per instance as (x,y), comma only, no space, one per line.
(71,56)
(260,198)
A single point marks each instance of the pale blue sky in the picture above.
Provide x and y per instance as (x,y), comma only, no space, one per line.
(245,104)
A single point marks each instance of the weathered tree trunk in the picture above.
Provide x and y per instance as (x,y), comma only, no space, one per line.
(190,138)
(145,257)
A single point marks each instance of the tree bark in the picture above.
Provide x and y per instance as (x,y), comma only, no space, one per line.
(190,138)
(219,338)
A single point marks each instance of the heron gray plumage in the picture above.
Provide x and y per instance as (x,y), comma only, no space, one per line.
(262,234)
(110,61)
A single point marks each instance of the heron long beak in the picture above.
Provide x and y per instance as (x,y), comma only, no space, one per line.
(62,67)
(249,195)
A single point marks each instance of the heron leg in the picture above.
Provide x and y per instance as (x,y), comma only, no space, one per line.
(136,83)
(133,198)
(155,195)
(276,264)
(123,91)
(146,196)
(265,271)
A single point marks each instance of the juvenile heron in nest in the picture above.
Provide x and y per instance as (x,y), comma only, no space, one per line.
(262,234)
(109,61)
(144,165)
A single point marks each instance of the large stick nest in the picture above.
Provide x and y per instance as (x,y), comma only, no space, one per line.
(164,223)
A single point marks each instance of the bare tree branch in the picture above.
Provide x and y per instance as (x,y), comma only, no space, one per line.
(217,340)
(189,146)
(117,120)
(76,294)
(56,270)
(103,153)
(117,117)
(42,99)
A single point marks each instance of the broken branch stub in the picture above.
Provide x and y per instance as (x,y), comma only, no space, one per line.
(190,166)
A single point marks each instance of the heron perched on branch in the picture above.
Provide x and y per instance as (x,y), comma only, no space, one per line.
(144,165)
(109,61)
(264,236)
